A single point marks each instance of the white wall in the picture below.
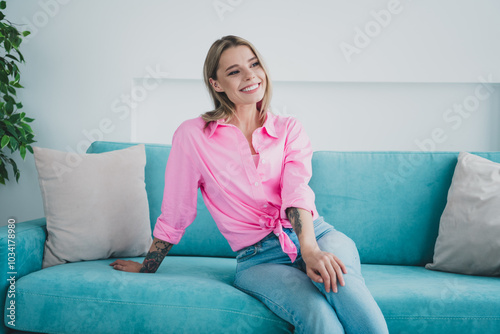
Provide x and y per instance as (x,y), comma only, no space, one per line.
(85,57)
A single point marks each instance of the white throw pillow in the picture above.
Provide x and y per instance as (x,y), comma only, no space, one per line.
(96,205)
(469,230)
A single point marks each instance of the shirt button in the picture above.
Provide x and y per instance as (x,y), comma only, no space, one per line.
(265,205)
(263,161)
(256,183)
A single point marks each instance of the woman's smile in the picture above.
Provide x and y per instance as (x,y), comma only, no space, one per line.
(251,88)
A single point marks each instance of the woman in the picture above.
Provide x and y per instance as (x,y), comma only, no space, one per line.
(253,169)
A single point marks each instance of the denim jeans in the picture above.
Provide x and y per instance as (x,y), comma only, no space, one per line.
(265,272)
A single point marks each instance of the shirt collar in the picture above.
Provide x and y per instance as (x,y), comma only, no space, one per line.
(268,125)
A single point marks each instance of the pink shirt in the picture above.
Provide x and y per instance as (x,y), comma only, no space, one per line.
(246,201)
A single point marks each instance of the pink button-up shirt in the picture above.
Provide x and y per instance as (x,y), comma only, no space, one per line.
(246,202)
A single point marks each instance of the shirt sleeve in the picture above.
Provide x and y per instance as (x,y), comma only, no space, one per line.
(297,171)
(182,180)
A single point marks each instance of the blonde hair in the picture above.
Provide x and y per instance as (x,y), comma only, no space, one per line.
(223,106)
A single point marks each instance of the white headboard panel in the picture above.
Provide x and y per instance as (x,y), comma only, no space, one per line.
(347,116)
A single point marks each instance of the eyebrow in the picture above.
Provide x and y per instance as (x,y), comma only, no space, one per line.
(235,65)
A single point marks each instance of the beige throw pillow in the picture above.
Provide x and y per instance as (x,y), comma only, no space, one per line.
(469,230)
(95,204)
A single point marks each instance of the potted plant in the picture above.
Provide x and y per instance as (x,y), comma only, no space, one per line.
(15,132)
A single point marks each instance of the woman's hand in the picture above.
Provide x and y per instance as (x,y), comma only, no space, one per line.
(127,265)
(324,267)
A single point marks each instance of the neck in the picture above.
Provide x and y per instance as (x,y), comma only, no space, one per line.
(246,117)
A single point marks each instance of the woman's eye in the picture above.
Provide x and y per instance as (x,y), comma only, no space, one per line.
(255,64)
(233,72)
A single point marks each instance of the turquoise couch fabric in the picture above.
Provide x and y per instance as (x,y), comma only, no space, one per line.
(389,203)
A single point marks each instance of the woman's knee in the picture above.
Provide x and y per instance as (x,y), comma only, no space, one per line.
(341,246)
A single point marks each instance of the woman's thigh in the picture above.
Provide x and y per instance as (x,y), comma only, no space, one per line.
(290,294)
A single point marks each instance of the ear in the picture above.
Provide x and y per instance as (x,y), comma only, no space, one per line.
(215,85)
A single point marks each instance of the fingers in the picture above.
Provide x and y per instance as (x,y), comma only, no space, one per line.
(118,264)
(339,268)
(330,278)
(329,271)
(314,276)
(341,264)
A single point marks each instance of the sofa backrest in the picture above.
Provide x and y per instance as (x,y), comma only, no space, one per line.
(389,203)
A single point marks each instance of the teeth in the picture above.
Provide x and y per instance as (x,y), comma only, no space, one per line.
(250,88)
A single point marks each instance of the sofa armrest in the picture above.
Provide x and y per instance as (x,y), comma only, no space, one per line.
(29,238)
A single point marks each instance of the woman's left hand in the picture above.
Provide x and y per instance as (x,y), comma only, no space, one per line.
(324,267)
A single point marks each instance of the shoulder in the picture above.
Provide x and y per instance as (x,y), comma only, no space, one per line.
(190,133)
(286,125)
(191,128)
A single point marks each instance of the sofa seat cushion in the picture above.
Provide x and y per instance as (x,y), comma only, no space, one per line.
(195,295)
(417,300)
(185,295)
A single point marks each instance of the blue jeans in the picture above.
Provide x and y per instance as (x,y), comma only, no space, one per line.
(265,272)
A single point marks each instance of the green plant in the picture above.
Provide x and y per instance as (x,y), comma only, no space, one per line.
(15,132)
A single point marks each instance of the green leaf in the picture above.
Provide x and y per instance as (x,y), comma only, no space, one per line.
(16,42)
(23,134)
(11,129)
(9,107)
(3,4)
(14,118)
(17,174)
(26,33)
(29,148)
(3,173)
(13,144)
(27,127)
(4,78)
(7,45)
(28,120)
(5,141)
(22,150)
(12,57)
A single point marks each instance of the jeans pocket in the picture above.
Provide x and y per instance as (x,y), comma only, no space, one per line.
(246,253)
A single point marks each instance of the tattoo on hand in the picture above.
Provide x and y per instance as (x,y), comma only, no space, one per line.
(294,218)
(153,259)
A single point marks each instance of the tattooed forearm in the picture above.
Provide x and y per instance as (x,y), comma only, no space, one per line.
(155,256)
(294,218)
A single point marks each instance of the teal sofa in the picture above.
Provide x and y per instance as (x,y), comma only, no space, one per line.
(389,203)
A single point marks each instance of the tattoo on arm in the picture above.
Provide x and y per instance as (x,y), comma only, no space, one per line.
(154,258)
(294,218)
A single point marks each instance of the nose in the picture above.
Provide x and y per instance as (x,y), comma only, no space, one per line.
(249,74)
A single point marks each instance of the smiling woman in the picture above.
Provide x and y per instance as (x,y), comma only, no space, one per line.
(235,74)
(265,210)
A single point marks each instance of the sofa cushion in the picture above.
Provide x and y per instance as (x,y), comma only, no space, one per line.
(185,295)
(469,231)
(90,297)
(416,300)
(95,205)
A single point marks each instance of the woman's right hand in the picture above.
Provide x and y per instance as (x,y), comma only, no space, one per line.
(127,265)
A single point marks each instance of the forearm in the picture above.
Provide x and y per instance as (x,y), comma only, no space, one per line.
(302,224)
(155,256)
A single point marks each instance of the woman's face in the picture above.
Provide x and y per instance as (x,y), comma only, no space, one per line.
(240,76)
